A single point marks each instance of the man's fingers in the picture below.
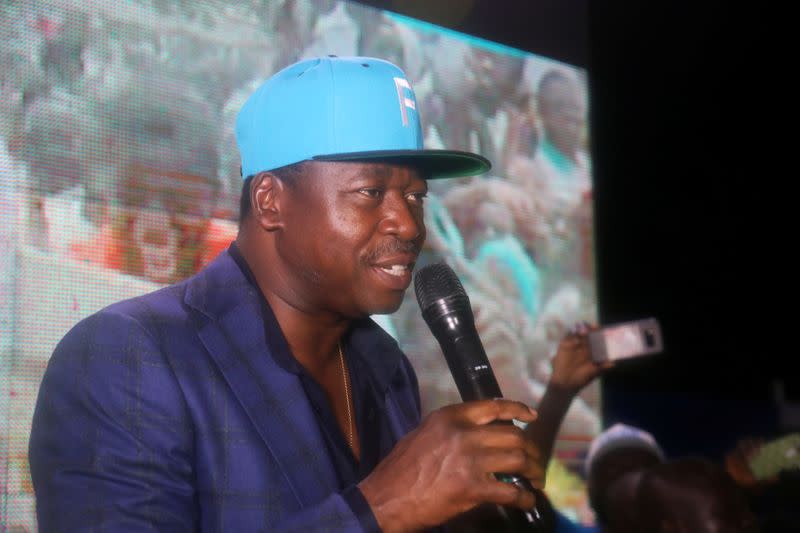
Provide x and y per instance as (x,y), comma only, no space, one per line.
(507,494)
(485,411)
(502,460)
(514,461)
(508,437)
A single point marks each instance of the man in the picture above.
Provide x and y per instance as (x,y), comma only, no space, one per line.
(258,395)
(559,177)
(471,90)
(561,103)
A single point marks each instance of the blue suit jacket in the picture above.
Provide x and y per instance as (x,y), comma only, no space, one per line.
(167,412)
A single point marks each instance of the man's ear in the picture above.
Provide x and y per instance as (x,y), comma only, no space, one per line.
(266,193)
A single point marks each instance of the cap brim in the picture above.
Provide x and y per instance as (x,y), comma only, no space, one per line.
(435,163)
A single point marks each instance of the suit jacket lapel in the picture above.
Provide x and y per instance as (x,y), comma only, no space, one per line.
(274,399)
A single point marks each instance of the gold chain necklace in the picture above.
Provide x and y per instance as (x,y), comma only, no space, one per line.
(346,397)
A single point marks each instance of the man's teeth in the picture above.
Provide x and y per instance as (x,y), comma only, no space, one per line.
(395,270)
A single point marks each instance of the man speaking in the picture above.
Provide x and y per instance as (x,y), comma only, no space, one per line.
(258,395)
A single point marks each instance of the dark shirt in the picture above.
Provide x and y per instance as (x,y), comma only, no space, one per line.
(373,430)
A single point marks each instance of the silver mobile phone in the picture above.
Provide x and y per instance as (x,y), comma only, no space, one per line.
(626,339)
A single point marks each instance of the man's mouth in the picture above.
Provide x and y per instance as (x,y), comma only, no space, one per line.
(396,270)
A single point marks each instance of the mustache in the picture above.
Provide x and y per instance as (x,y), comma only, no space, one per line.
(393,246)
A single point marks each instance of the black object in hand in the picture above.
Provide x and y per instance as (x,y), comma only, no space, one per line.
(447,311)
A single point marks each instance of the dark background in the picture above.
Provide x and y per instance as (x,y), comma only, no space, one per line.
(688,175)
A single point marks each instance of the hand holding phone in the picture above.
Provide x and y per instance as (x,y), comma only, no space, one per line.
(625,340)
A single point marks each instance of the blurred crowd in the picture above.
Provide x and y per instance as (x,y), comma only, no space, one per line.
(119,113)
(117,151)
(119,125)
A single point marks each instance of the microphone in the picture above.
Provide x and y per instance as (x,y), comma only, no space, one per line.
(447,311)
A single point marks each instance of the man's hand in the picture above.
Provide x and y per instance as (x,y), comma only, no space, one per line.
(445,466)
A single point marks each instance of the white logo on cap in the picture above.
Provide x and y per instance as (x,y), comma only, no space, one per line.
(405,101)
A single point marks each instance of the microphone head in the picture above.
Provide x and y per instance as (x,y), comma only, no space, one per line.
(437,282)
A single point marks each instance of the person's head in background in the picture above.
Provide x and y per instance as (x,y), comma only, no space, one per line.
(495,79)
(57,142)
(60,147)
(383,41)
(470,86)
(614,464)
(561,104)
(162,137)
(692,495)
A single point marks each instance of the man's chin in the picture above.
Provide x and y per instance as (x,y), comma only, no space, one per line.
(385,308)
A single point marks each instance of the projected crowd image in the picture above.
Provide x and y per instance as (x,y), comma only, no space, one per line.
(119,174)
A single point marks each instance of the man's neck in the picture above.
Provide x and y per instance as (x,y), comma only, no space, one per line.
(313,336)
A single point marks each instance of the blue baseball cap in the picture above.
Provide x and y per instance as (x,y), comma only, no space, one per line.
(341,109)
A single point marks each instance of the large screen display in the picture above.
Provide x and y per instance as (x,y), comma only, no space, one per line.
(119,174)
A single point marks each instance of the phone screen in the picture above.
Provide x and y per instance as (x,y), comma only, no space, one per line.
(623,341)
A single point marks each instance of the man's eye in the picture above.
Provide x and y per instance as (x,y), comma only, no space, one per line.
(418,197)
(372,193)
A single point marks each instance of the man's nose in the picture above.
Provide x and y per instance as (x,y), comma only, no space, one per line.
(401,218)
